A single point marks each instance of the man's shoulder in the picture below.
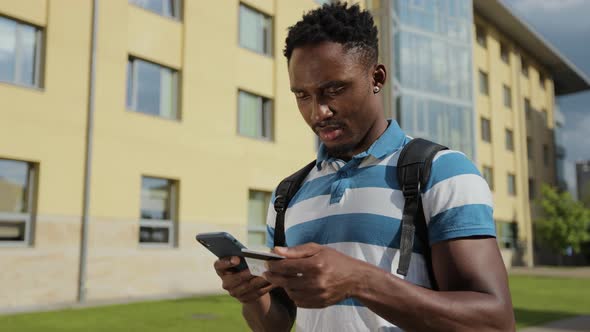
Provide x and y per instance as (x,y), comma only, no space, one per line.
(448,165)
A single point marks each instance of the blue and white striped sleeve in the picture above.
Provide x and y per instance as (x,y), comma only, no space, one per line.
(457,200)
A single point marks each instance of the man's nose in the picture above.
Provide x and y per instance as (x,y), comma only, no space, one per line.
(320,111)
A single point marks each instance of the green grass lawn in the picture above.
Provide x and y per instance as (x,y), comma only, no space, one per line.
(536,300)
(541,299)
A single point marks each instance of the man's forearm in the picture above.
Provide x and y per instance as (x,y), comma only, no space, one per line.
(267,314)
(414,308)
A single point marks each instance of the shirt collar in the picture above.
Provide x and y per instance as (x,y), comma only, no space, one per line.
(390,141)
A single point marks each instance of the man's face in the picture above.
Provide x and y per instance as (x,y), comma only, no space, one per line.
(334,92)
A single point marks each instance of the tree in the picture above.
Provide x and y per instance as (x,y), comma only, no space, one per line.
(565,222)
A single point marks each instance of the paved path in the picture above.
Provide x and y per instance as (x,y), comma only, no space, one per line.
(572,272)
(575,324)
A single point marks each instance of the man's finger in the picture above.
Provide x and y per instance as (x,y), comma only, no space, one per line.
(224,265)
(302,251)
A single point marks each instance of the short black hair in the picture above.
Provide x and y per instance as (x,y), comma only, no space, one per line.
(350,26)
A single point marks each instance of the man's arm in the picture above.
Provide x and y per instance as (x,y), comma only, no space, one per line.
(473,294)
(473,285)
(271,312)
(265,307)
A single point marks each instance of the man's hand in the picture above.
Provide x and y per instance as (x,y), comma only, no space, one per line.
(313,276)
(241,285)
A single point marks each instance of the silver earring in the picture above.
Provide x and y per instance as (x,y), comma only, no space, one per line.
(376,89)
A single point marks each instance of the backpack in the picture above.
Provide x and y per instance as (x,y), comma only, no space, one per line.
(413,172)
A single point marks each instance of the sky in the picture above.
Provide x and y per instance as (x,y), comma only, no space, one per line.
(566,25)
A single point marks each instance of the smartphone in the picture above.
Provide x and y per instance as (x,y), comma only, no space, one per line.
(265,256)
(223,244)
(256,260)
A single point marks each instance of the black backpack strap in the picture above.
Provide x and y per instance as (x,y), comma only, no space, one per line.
(285,191)
(413,172)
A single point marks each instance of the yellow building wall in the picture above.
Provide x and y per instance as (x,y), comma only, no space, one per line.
(215,167)
(47,126)
(508,208)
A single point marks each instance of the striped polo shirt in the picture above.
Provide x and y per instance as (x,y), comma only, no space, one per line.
(356,208)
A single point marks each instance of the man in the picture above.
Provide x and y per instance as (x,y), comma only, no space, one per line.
(343,225)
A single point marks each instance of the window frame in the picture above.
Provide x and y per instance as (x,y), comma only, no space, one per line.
(265,113)
(488,170)
(268,36)
(171,223)
(38,66)
(488,129)
(486,83)
(134,89)
(528,108)
(27,218)
(511,177)
(506,96)
(504,53)
(258,228)
(506,241)
(509,139)
(176,9)
(532,185)
(481,36)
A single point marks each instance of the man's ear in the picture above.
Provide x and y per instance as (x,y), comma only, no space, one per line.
(379,76)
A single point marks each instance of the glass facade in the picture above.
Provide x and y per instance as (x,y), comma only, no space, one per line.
(432,61)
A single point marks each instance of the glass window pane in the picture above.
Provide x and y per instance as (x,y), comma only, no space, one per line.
(130,84)
(258,204)
(7,49)
(154,234)
(167,98)
(251,35)
(14,182)
(12,231)
(155,198)
(28,52)
(256,239)
(249,114)
(153,5)
(148,87)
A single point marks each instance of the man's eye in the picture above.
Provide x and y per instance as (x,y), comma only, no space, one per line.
(300,95)
(334,91)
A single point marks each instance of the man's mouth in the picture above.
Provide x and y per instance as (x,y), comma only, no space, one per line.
(329,133)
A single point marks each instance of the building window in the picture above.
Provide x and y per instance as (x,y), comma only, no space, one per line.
(258,203)
(507,234)
(511,184)
(486,132)
(480,35)
(488,175)
(531,189)
(158,211)
(254,116)
(524,67)
(20,53)
(529,148)
(545,155)
(509,140)
(507,93)
(527,108)
(168,8)
(504,53)
(483,83)
(255,30)
(152,89)
(17,190)
(542,81)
